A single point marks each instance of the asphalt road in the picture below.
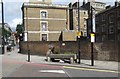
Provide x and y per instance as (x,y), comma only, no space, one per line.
(24,70)
(13,68)
(86,73)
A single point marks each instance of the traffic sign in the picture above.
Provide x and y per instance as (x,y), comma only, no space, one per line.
(92,37)
(78,33)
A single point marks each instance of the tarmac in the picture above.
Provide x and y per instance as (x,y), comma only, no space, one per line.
(103,65)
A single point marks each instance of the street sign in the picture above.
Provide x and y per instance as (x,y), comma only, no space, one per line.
(92,37)
(78,33)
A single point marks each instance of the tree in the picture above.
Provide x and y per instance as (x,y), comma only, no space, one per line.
(19,30)
(5,33)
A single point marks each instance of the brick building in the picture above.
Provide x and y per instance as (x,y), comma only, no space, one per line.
(44,21)
(41,1)
(97,7)
(108,24)
(74,18)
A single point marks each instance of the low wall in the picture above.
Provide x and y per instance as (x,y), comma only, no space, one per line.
(102,51)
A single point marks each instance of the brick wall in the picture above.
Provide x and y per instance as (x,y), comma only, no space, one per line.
(40,48)
(103,51)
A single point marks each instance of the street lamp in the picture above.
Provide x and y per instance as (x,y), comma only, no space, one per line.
(2,8)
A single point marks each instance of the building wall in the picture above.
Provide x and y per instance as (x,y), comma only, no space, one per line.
(34,37)
(102,51)
(107,23)
(54,36)
(56,20)
(69,36)
(41,1)
(98,6)
(83,21)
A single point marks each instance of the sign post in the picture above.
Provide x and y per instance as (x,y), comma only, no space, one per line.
(78,34)
(92,54)
(78,8)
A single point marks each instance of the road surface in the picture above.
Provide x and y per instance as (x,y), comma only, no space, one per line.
(13,70)
(15,67)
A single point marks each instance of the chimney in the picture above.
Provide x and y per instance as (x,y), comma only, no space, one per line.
(83,2)
(70,5)
(116,3)
(108,6)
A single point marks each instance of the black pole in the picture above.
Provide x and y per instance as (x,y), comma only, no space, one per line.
(79,50)
(3,41)
(92,54)
(27,36)
(79,31)
(28,55)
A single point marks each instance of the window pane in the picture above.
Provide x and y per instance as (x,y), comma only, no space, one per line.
(43,14)
(111,19)
(44,26)
(44,37)
(111,29)
(76,11)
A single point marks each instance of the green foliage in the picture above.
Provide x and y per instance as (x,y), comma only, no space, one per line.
(19,29)
(68,53)
(5,32)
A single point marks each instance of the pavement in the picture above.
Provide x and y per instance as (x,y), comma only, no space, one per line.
(102,65)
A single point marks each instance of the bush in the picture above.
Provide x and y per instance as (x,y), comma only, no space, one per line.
(68,53)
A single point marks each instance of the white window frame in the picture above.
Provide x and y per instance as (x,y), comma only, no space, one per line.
(85,33)
(77,27)
(85,21)
(42,34)
(41,25)
(44,11)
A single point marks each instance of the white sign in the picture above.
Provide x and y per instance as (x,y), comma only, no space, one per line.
(92,37)
(25,37)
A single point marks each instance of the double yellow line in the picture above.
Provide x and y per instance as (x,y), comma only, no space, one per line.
(91,69)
